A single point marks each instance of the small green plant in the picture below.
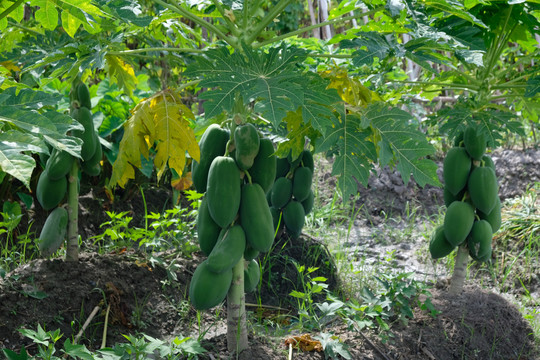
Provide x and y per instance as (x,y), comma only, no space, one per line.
(310,286)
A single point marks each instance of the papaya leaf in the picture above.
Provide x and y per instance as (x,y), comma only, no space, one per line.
(533,87)
(121,73)
(46,14)
(297,133)
(454,8)
(161,123)
(28,98)
(402,141)
(13,157)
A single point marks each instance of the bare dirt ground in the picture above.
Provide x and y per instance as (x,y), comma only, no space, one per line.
(479,324)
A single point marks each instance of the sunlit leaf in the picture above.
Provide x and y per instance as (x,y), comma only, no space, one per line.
(121,73)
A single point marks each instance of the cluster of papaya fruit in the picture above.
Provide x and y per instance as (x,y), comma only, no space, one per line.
(234,221)
(53,183)
(291,197)
(471,196)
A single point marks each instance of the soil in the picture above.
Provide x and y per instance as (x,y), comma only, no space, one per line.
(146,297)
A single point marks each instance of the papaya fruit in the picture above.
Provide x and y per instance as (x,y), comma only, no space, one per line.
(488,162)
(89,136)
(207,229)
(50,192)
(483,189)
(59,164)
(308,202)
(263,171)
(247,143)
(307,160)
(229,249)
(294,218)
(439,247)
(494,217)
(479,240)
(281,192)
(53,232)
(475,142)
(458,222)
(256,218)
(252,274)
(223,190)
(450,198)
(301,184)
(83,95)
(208,289)
(282,167)
(92,167)
(250,253)
(458,140)
(276,217)
(456,168)
(213,143)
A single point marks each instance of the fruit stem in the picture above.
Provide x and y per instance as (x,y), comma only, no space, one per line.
(72,249)
(237,339)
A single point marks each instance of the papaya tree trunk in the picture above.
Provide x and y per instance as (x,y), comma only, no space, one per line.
(460,270)
(237,339)
(72,249)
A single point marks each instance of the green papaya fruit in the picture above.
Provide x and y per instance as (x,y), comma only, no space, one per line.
(59,164)
(223,190)
(474,142)
(456,168)
(308,202)
(250,253)
(281,192)
(282,167)
(213,143)
(294,162)
(276,217)
(450,198)
(494,217)
(53,232)
(83,95)
(92,167)
(488,162)
(458,140)
(263,171)
(89,136)
(50,192)
(294,218)
(256,218)
(207,229)
(479,240)
(458,222)
(208,289)
(483,188)
(247,143)
(439,247)
(229,249)
(301,184)
(252,275)
(307,160)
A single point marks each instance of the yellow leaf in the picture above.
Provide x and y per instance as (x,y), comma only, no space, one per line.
(121,73)
(297,132)
(10,65)
(350,89)
(70,23)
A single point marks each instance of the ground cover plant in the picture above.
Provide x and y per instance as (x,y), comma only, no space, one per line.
(235,100)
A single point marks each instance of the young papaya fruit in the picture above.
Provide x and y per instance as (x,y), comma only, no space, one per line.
(207,229)
(439,247)
(494,217)
(212,144)
(308,202)
(92,167)
(479,240)
(458,140)
(250,253)
(229,249)
(281,192)
(59,164)
(223,190)
(89,136)
(276,217)
(307,160)
(458,222)
(83,95)
(50,192)
(294,218)
(456,168)
(483,188)
(247,143)
(263,171)
(450,198)
(252,274)
(53,232)
(301,184)
(487,161)
(208,289)
(256,218)
(475,142)
(282,167)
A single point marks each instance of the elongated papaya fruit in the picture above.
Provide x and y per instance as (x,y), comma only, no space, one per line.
(450,198)
(223,190)
(228,250)
(89,135)
(59,164)
(494,217)
(458,222)
(250,253)
(212,144)
(439,247)
(50,192)
(263,171)
(247,142)
(281,192)
(483,188)
(294,218)
(256,218)
(475,143)
(207,289)
(282,167)
(479,240)
(301,185)
(92,167)
(307,160)
(488,161)
(83,95)
(252,275)
(207,229)
(456,168)
(308,202)
(53,232)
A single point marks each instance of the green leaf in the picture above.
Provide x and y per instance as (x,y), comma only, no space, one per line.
(47,14)
(12,355)
(77,351)
(370,45)
(28,98)
(533,87)
(455,8)
(13,160)
(401,140)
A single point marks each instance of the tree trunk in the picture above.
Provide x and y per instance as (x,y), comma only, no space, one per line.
(72,249)
(460,270)
(323,10)
(237,340)
(314,19)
